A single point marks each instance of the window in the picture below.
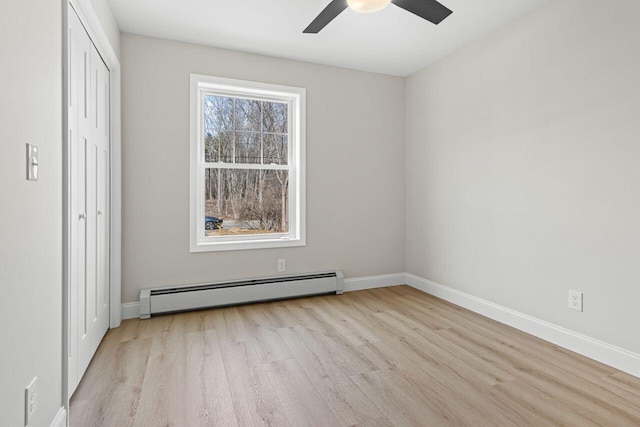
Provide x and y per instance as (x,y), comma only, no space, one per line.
(247,165)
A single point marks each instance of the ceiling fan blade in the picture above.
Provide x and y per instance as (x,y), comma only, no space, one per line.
(327,15)
(430,10)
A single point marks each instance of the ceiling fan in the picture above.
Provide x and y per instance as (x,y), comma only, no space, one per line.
(431,10)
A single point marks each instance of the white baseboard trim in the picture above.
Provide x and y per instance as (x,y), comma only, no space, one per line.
(371,282)
(608,354)
(131,310)
(60,419)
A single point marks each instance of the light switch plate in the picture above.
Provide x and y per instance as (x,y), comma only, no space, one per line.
(32,162)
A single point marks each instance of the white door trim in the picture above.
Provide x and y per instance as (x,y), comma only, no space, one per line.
(90,20)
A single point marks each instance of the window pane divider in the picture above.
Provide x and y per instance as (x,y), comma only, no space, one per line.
(254,166)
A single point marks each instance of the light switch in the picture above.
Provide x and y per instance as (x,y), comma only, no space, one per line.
(32,162)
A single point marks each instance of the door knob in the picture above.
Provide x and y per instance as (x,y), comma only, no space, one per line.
(82,216)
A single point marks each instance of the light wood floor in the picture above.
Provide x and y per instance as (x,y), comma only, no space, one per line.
(393,356)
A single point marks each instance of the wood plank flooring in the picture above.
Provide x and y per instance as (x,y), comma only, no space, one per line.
(382,357)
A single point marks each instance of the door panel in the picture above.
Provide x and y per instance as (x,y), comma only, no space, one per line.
(100,138)
(83,338)
(79,172)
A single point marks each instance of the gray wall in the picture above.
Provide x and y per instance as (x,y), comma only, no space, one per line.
(30,212)
(355,176)
(522,167)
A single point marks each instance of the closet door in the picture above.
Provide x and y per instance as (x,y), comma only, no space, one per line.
(89,202)
(98,210)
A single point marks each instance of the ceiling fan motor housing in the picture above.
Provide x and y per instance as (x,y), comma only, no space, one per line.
(368,6)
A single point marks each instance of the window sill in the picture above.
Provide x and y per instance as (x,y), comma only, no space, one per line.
(240,245)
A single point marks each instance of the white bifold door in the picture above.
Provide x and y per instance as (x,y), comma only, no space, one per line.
(88,117)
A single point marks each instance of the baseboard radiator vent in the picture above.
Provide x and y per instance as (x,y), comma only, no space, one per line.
(194,297)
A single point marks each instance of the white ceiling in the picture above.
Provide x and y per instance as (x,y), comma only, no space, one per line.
(392,41)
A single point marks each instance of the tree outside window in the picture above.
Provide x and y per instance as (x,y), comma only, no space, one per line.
(246,132)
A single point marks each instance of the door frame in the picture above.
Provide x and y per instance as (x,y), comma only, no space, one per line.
(98,36)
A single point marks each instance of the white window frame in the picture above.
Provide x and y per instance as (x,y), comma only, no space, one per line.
(295,97)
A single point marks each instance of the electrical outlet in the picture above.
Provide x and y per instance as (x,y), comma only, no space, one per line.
(575,300)
(30,400)
(282,265)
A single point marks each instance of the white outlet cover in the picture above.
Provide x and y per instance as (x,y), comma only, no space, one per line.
(30,400)
(575,300)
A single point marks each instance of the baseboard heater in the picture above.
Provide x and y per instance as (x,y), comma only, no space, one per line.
(193,297)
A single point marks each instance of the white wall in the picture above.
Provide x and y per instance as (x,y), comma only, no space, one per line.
(522,167)
(30,212)
(355,180)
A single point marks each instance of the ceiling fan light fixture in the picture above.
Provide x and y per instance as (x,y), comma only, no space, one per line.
(430,10)
(367,6)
